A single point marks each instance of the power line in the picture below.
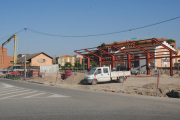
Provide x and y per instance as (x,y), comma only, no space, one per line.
(91,35)
(106,33)
(11,34)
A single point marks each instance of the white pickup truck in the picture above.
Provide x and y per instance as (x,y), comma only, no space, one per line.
(102,74)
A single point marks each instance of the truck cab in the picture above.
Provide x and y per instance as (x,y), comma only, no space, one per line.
(15,68)
(98,74)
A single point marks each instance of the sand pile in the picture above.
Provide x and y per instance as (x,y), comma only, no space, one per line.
(78,77)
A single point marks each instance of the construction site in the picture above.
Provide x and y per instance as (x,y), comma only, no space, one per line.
(139,57)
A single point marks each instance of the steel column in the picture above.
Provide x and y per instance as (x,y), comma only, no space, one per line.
(129,61)
(88,64)
(99,61)
(147,63)
(171,70)
(113,62)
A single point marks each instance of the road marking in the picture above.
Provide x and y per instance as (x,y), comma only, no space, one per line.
(13,92)
(7,88)
(10,92)
(18,95)
(34,95)
(4,91)
(56,95)
(7,85)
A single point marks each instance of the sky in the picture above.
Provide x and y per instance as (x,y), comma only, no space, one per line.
(84,17)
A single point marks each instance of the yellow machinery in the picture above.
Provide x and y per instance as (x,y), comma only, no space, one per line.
(15,48)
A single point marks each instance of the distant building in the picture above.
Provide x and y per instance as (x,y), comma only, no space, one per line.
(79,58)
(62,60)
(37,59)
(8,60)
(55,60)
(21,55)
(163,62)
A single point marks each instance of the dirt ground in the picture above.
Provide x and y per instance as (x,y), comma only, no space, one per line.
(140,84)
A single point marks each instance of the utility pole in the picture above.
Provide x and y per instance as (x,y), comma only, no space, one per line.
(25,57)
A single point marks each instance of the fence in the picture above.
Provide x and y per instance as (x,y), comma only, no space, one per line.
(49,68)
(163,86)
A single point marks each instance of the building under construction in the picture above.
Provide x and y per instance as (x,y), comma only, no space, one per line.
(149,53)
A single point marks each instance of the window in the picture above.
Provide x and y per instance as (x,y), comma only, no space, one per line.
(62,59)
(11,62)
(105,70)
(99,71)
(62,64)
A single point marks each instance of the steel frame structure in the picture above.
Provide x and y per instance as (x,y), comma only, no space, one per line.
(149,50)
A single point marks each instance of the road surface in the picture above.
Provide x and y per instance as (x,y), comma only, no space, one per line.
(29,101)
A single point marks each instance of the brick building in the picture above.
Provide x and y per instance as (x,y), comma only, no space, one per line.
(8,60)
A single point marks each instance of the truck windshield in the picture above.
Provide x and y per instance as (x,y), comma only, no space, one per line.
(91,71)
(17,67)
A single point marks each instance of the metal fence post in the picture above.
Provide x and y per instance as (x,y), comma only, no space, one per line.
(44,76)
(72,80)
(56,77)
(122,80)
(157,84)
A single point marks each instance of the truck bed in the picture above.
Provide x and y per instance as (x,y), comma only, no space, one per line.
(116,74)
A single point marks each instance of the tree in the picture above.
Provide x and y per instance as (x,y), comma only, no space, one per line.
(93,64)
(103,44)
(115,43)
(78,65)
(68,65)
(59,65)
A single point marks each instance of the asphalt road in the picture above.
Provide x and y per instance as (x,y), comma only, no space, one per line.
(28,101)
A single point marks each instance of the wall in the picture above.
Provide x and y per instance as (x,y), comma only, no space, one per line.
(34,61)
(49,68)
(158,61)
(7,59)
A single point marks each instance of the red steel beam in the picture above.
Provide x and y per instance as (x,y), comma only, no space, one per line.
(107,53)
(83,55)
(155,40)
(122,50)
(141,48)
(129,62)
(94,54)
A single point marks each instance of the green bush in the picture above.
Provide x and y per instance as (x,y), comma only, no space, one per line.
(103,44)
(170,41)
(137,43)
(115,43)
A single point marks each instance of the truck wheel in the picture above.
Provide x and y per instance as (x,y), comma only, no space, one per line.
(94,82)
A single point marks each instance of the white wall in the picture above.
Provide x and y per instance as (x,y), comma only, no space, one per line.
(49,68)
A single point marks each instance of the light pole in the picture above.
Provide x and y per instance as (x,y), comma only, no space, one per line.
(25,56)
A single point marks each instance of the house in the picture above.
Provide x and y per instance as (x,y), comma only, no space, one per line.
(8,60)
(66,59)
(37,59)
